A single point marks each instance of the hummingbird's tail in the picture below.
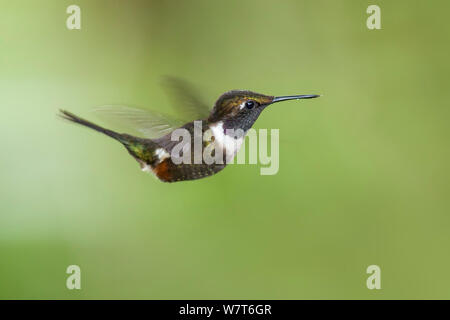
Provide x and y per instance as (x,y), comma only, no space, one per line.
(140,149)
(73,118)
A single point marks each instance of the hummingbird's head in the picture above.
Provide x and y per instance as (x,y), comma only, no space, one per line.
(240,108)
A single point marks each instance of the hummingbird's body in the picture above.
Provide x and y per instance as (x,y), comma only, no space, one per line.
(235,112)
(166,170)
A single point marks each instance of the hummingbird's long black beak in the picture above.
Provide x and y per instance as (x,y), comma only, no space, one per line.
(302,96)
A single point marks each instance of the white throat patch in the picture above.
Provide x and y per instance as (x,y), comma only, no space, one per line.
(225,141)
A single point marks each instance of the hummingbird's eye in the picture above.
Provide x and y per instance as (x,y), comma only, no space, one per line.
(249,104)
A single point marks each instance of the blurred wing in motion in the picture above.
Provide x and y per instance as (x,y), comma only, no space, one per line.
(186,100)
(148,123)
(151,124)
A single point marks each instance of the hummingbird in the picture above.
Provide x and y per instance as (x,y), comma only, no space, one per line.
(235,111)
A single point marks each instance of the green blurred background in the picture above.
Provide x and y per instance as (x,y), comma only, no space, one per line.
(363,173)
